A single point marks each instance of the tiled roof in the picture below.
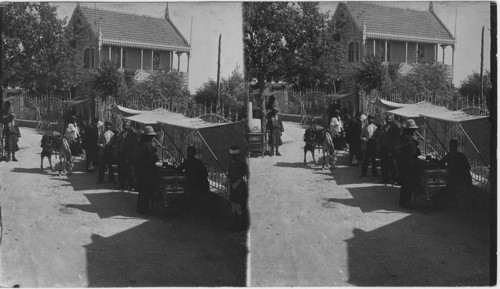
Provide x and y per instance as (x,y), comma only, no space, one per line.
(403,23)
(143,31)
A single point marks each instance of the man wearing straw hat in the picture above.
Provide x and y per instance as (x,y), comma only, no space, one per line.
(409,171)
(145,169)
(238,191)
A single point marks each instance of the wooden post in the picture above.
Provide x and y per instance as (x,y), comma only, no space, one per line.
(406,52)
(218,73)
(481,72)
(121,57)
(142,57)
(385,51)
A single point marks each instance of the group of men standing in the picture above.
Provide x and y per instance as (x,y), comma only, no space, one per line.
(106,147)
(368,142)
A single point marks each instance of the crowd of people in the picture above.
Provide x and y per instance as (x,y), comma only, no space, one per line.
(397,150)
(134,155)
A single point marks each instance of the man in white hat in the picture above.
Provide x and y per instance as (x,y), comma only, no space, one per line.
(238,190)
(145,169)
(408,163)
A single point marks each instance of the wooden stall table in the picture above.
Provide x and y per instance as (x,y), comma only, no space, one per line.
(171,193)
(432,184)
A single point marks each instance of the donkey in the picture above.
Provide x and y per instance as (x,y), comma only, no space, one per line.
(329,150)
(62,146)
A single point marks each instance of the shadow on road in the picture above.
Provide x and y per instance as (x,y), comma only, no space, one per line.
(299,165)
(188,251)
(30,171)
(177,252)
(421,250)
(369,199)
(109,204)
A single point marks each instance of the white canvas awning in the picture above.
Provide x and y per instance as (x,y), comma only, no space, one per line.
(453,116)
(388,105)
(126,111)
(415,109)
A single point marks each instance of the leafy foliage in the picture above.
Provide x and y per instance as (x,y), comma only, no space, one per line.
(162,86)
(232,92)
(471,86)
(291,42)
(371,74)
(108,80)
(427,80)
(38,55)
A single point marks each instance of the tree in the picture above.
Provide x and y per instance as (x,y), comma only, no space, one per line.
(163,86)
(232,91)
(109,81)
(333,61)
(286,41)
(432,81)
(471,86)
(38,54)
(371,74)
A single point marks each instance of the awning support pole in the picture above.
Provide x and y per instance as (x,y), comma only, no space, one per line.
(474,146)
(170,138)
(440,142)
(216,159)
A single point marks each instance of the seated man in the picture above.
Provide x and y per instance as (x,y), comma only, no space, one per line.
(197,176)
(459,177)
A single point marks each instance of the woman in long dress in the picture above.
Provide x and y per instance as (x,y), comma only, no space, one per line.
(275,129)
(12,135)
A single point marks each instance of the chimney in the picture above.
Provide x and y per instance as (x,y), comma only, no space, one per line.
(431,7)
(167,15)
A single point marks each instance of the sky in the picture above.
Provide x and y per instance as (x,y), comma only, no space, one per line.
(471,17)
(209,20)
(213,18)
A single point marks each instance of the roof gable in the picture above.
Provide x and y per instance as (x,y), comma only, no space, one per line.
(143,31)
(391,21)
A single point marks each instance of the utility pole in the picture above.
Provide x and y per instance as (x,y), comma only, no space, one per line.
(481,73)
(218,75)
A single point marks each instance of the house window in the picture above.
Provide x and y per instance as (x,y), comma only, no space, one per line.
(117,58)
(353,52)
(156,60)
(88,58)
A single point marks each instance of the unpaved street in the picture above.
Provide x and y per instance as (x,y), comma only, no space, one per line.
(62,231)
(314,228)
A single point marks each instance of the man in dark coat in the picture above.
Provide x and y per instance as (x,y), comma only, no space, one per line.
(459,177)
(89,143)
(145,169)
(197,176)
(125,143)
(409,171)
(106,153)
(275,129)
(238,190)
(353,134)
(389,139)
(12,135)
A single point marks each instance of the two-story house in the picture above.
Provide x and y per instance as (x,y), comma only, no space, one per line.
(405,36)
(130,41)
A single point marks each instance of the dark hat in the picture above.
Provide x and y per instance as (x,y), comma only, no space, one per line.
(371,116)
(410,123)
(107,123)
(148,130)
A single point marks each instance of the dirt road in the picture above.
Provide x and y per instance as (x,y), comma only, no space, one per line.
(315,228)
(62,231)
